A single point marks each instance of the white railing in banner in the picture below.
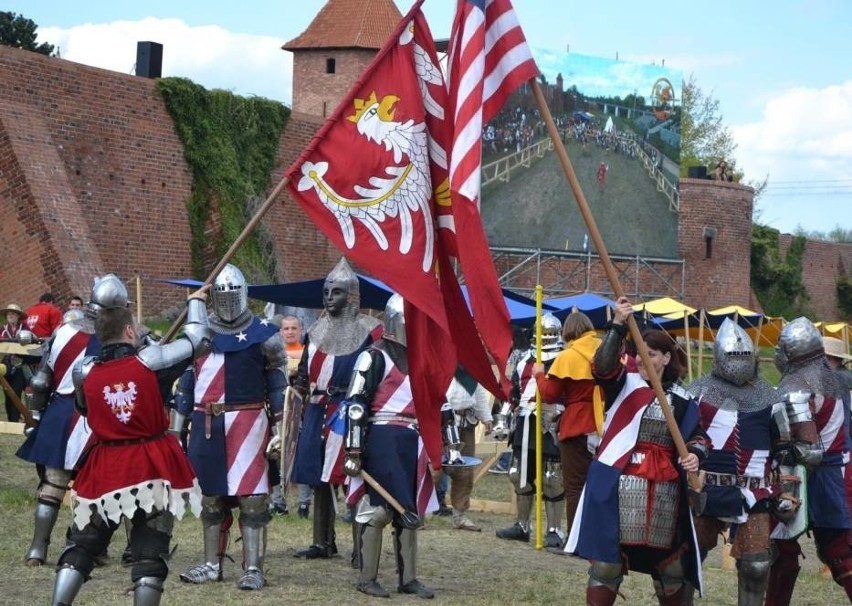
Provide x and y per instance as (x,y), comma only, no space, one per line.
(663,184)
(501,170)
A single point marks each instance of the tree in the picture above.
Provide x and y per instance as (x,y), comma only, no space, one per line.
(19,32)
(705,140)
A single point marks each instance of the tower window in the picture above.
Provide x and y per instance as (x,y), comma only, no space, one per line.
(329,65)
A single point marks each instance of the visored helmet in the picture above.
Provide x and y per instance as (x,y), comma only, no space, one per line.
(551,333)
(343,276)
(229,294)
(108,292)
(395,320)
(733,354)
(799,340)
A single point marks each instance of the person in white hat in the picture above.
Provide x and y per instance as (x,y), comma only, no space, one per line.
(14,316)
(836,356)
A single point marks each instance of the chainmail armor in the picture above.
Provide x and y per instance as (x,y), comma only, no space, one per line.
(221,327)
(343,334)
(812,376)
(724,395)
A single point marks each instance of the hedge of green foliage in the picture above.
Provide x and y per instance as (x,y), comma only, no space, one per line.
(777,281)
(231,144)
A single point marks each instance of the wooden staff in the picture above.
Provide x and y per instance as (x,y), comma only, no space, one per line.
(595,235)
(16,402)
(247,231)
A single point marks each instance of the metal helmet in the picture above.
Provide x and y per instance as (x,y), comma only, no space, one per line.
(799,340)
(733,354)
(108,292)
(395,320)
(551,333)
(229,294)
(343,276)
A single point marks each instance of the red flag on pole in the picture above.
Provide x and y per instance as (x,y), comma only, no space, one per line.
(369,180)
(488,59)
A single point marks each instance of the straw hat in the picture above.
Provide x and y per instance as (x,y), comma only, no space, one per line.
(13,307)
(835,348)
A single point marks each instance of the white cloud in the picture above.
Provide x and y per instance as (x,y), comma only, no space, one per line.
(209,55)
(805,136)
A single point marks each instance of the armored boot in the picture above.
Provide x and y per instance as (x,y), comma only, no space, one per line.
(666,597)
(66,586)
(215,544)
(604,581)
(46,513)
(254,548)
(553,510)
(370,550)
(520,530)
(752,577)
(405,545)
(147,591)
(600,595)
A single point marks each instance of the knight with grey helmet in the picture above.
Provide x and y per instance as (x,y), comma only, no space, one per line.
(819,424)
(235,398)
(522,467)
(60,436)
(736,411)
(332,345)
(383,439)
(135,469)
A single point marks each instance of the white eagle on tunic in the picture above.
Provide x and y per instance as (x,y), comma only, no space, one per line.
(405,187)
(122,401)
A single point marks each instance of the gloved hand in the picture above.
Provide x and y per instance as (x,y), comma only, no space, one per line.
(500,431)
(28,429)
(273,449)
(352,464)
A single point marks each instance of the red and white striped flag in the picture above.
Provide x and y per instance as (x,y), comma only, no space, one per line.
(488,59)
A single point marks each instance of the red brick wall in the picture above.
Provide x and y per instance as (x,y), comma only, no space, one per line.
(104,176)
(723,278)
(317,93)
(823,264)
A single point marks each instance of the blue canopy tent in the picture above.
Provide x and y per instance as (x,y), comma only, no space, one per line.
(594,306)
(374,295)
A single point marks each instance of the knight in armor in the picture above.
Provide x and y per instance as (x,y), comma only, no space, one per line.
(382,438)
(332,345)
(60,436)
(633,512)
(522,466)
(812,396)
(136,470)
(736,408)
(569,380)
(235,398)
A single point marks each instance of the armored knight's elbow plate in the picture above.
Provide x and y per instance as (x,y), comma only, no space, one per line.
(459,462)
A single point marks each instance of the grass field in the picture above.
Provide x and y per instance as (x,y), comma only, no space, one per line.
(463,568)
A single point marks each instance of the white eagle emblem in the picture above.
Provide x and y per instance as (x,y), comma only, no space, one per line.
(122,400)
(406,185)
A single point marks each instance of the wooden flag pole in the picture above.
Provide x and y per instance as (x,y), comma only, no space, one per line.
(247,231)
(595,235)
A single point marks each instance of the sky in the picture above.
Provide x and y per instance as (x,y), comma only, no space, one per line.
(779,69)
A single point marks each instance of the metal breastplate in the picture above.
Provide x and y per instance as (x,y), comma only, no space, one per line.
(653,428)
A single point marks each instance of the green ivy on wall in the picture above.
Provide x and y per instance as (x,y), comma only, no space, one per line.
(230,144)
(777,281)
(844,296)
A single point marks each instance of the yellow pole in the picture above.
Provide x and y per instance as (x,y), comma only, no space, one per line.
(701,319)
(688,348)
(539,462)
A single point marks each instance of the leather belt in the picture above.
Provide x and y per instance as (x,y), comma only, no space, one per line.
(214,409)
(386,418)
(728,479)
(130,441)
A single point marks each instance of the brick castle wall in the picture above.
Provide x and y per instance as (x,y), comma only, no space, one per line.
(316,92)
(823,264)
(93,179)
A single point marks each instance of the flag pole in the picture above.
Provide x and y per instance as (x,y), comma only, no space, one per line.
(539,460)
(247,231)
(595,235)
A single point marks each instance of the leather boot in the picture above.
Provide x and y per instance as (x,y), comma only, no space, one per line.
(600,595)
